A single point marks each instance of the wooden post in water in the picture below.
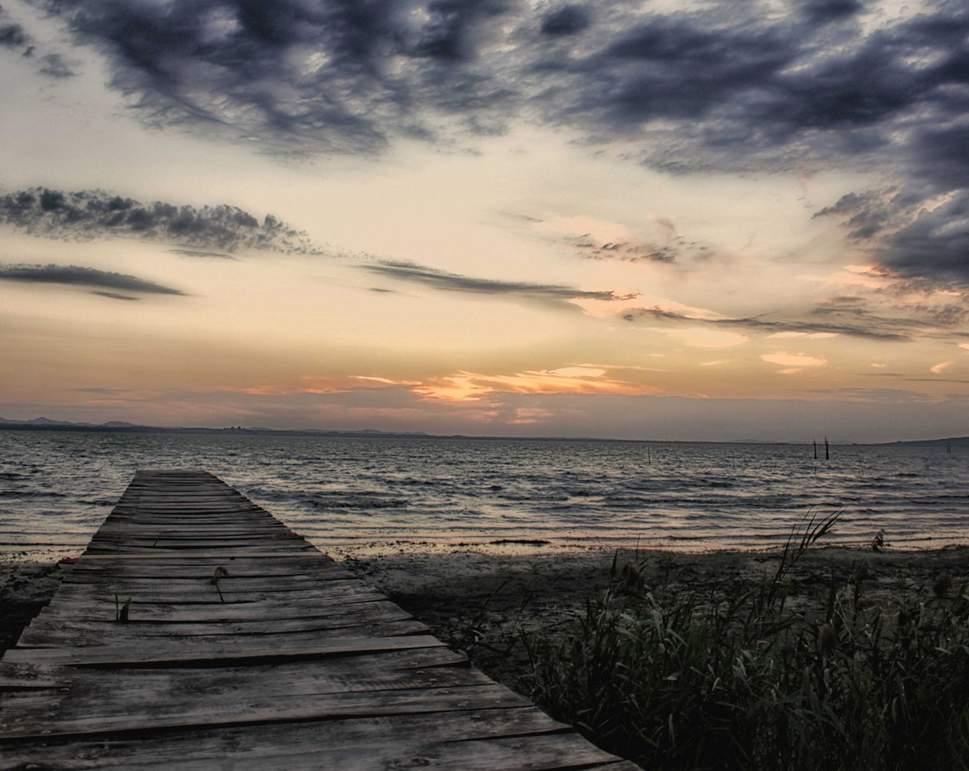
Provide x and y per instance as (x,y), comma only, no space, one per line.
(815,443)
(827,449)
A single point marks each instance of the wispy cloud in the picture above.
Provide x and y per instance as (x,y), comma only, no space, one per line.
(455,282)
(15,38)
(776,327)
(207,231)
(938,369)
(117,286)
(472,386)
(202,253)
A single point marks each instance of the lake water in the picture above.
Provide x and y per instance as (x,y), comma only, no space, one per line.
(353,495)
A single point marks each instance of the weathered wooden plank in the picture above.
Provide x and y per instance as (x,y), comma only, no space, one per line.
(30,676)
(46,720)
(206,584)
(373,612)
(212,611)
(197,693)
(228,745)
(541,752)
(125,633)
(100,595)
(320,571)
(216,651)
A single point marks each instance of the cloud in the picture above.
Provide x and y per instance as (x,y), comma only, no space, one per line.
(566,21)
(338,77)
(55,66)
(809,335)
(826,11)
(864,215)
(14,37)
(202,253)
(793,363)
(104,283)
(935,244)
(455,282)
(115,296)
(777,328)
(296,76)
(938,369)
(722,87)
(473,386)
(676,249)
(208,231)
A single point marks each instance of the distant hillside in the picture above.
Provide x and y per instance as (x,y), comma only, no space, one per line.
(46,424)
(61,425)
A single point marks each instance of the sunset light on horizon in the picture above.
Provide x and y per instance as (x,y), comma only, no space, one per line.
(705,221)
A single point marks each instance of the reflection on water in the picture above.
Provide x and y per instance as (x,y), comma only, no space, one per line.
(349,494)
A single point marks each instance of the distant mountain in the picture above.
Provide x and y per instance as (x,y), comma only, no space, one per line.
(46,424)
(49,422)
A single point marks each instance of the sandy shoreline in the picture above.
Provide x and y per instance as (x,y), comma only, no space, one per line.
(482,602)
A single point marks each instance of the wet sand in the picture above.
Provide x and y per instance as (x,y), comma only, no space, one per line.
(483,602)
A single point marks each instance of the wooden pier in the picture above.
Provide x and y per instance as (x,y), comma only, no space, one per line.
(244,647)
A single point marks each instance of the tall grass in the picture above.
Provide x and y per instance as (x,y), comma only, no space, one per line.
(742,681)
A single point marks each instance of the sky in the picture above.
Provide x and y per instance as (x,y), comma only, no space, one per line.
(646,220)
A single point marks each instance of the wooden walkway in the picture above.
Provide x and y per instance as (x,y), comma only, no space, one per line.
(245,647)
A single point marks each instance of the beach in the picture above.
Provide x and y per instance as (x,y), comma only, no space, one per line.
(488,602)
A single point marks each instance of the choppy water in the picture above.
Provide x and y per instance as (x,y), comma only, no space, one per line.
(352,494)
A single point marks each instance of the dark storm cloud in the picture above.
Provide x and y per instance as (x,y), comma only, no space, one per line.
(864,215)
(567,20)
(295,76)
(102,282)
(935,244)
(862,326)
(910,239)
(454,282)
(830,10)
(89,214)
(13,36)
(346,76)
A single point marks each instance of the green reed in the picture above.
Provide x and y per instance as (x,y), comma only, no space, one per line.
(740,680)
